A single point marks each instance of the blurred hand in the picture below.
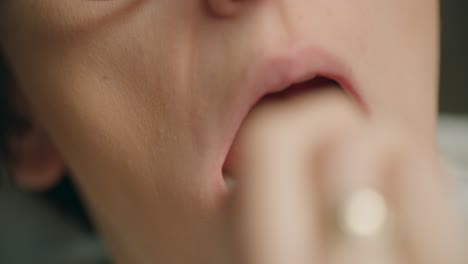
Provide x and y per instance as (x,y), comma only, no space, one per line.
(299,162)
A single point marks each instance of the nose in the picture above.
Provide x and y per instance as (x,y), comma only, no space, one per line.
(226,8)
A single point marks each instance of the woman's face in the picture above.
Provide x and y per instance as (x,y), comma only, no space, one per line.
(142,98)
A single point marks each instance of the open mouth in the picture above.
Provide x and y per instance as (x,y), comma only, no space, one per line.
(296,89)
(279,75)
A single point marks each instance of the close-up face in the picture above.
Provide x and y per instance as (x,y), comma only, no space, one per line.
(143,98)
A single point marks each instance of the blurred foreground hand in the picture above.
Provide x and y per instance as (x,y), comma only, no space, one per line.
(318,182)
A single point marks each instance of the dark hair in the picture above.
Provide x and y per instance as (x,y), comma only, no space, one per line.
(9,119)
(11,123)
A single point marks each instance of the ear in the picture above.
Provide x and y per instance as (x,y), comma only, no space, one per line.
(36,165)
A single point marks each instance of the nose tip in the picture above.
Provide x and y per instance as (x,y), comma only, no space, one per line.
(225,8)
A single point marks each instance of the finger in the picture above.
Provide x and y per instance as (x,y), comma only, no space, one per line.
(359,228)
(430,226)
(277,215)
(297,123)
(277,198)
(277,210)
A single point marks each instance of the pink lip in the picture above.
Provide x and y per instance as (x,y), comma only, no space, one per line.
(276,72)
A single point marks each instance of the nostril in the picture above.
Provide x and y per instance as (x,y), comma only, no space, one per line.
(224,8)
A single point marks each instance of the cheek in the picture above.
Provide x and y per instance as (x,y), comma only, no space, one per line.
(398,62)
(115,99)
(393,48)
(68,16)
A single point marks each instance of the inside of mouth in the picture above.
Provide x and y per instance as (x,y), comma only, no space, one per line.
(316,83)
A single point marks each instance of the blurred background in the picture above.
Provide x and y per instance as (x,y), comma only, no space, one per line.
(454,78)
(453,122)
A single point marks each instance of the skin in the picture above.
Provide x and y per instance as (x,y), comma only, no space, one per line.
(136,97)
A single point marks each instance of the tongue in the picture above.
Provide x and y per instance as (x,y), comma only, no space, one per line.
(287,97)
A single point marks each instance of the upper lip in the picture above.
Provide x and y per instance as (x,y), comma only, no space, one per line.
(276,72)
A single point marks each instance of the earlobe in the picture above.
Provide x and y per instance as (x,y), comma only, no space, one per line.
(33,161)
(35,164)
